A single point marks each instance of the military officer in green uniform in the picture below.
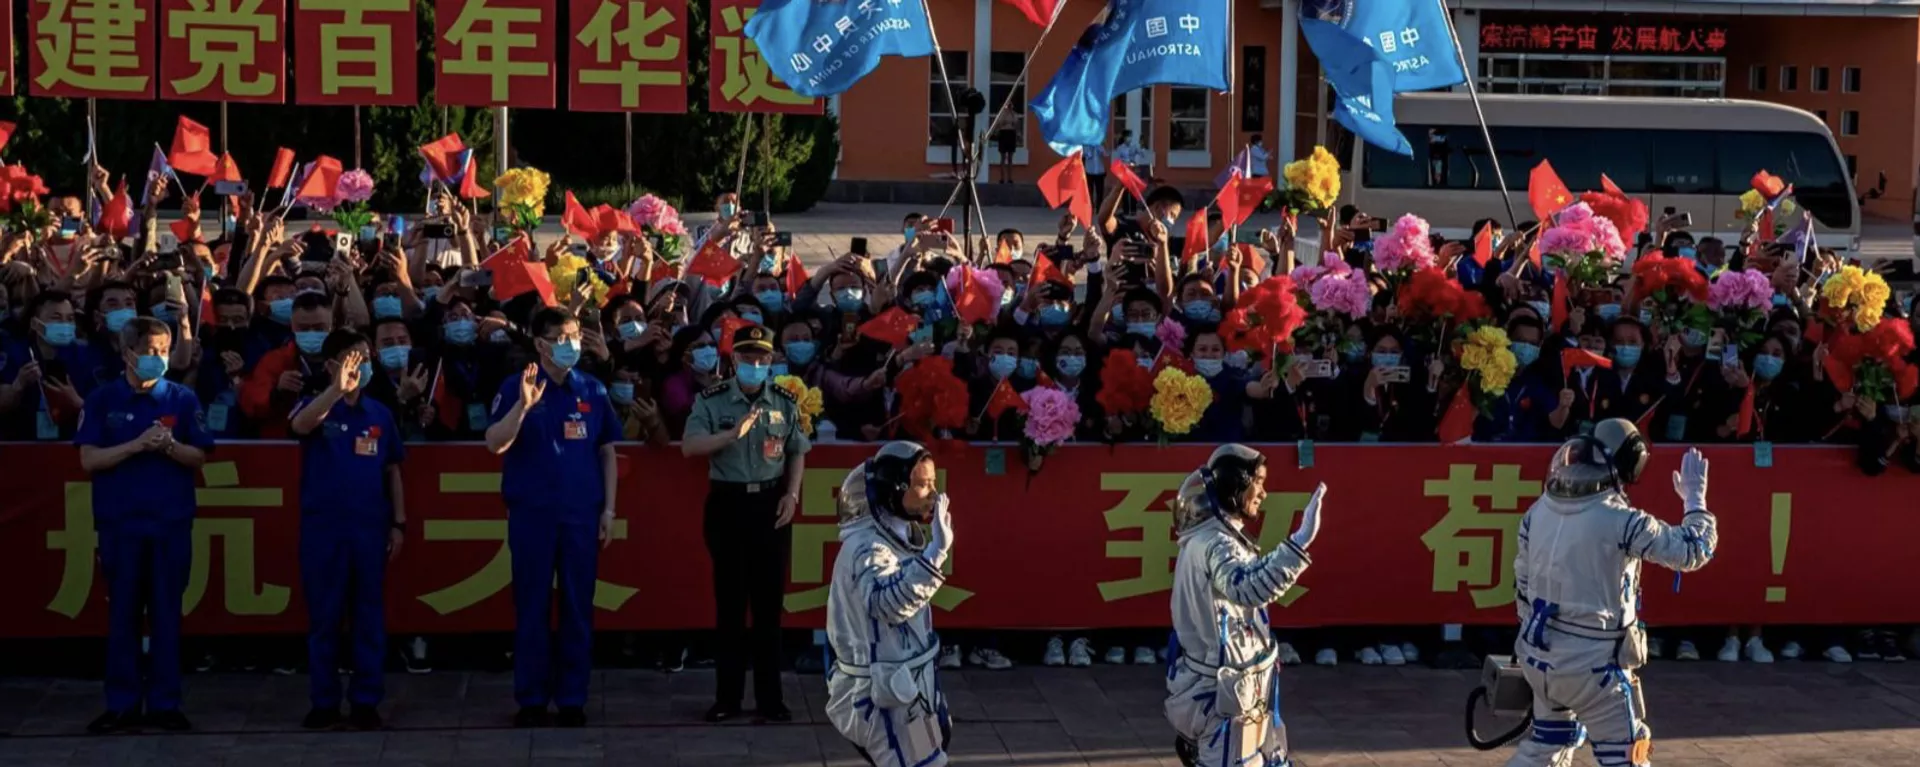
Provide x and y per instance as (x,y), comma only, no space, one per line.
(749,429)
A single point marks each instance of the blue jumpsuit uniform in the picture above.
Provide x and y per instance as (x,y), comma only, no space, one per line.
(143,514)
(345,513)
(554,490)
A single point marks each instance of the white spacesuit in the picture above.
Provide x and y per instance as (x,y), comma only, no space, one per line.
(1222,685)
(1577,578)
(883,687)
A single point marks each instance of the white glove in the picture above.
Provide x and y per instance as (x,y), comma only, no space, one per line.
(1690,482)
(941,543)
(1309,519)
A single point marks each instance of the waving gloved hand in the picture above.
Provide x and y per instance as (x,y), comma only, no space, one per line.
(1309,519)
(1690,482)
(941,542)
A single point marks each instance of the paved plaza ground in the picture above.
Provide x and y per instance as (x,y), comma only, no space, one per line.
(1703,714)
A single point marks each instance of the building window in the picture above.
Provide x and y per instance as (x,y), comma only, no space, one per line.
(1820,79)
(1142,138)
(1849,123)
(1006,67)
(1757,79)
(1853,166)
(1822,114)
(1850,80)
(1789,78)
(1189,121)
(942,120)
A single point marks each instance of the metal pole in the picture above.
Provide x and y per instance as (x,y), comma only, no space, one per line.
(500,139)
(1473,92)
(93,126)
(740,171)
(629,164)
(223,126)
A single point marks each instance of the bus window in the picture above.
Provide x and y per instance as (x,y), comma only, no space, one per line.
(1580,155)
(1381,169)
(1683,161)
(1804,160)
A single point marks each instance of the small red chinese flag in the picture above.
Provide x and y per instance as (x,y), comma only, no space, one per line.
(116,218)
(1196,239)
(1456,426)
(1040,12)
(192,148)
(1581,358)
(6,133)
(321,181)
(185,230)
(713,264)
(892,327)
(1228,201)
(1044,272)
(207,314)
(224,169)
(1066,184)
(577,221)
(1560,309)
(470,188)
(729,326)
(282,169)
(1124,174)
(607,218)
(1483,246)
(1253,192)
(1005,399)
(1768,185)
(974,303)
(794,275)
(1744,422)
(513,274)
(442,154)
(1546,193)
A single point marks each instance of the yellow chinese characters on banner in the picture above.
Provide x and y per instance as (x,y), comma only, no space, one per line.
(223,50)
(495,53)
(628,56)
(497,574)
(1472,547)
(91,48)
(737,77)
(355,52)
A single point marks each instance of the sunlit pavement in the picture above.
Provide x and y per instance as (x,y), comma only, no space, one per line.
(1703,713)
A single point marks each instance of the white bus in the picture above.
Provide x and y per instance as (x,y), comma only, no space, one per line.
(1691,155)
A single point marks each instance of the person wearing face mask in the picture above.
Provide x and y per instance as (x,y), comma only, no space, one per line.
(1048,307)
(883,693)
(555,426)
(353,520)
(1010,246)
(1066,361)
(470,367)
(1635,383)
(771,294)
(41,397)
(142,441)
(996,363)
(224,365)
(799,354)
(1588,390)
(749,431)
(281,377)
(695,366)
(1520,413)
(1155,222)
(910,227)
(1690,389)
(113,305)
(1223,698)
(401,379)
(1387,397)
(1223,420)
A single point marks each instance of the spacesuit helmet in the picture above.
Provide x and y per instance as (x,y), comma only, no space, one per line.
(1612,457)
(879,486)
(1231,471)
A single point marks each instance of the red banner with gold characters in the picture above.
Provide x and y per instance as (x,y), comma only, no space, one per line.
(223,50)
(627,56)
(92,48)
(1410,535)
(349,52)
(6,47)
(495,53)
(737,78)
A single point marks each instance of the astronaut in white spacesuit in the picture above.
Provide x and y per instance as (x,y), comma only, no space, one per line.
(1222,687)
(1577,582)
(883,687)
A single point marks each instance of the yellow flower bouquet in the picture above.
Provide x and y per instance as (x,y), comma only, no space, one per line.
(1179,400)
(1489,357)
(565,273)
(1856,294)
(809,397)
(523,193)
(1312,183)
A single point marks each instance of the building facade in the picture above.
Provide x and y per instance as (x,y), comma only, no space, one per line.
(1852,62)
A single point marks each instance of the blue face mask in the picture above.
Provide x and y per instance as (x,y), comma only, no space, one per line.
(117,319)
(366,374)
(162,313)
(1689,253)
(1780,299)
(799,352)
(430,293)
(779,369)
(1071,364)
(714,291)
(1386,359)
(498,337)
(622,392)
(766,263)
(921,335)
(1767,367)
(1007,297)
(1201,310)
(502,234)
(386,307)
(1542,308)
(1646,317)
(566,353)
(907,234)
(460,332)
(281,310)
(1238,360)
(58,333)
(754,375)
(1525,353)
(752,315)
(1142,329)
(1052,316)
(1028,368)
(727,210)
(705,359)
(849,299)
(1003,365)
(1626,356)
(922,299)
(629,330)
(1352,351)
(1167,221)
(149,367)
(1209,368)
(1609,312)
(395,357)
(310,341)
(1696,337)
(773,300)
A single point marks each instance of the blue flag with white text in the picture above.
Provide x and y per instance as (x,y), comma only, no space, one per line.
(1140,43)
(1363,81)
(820,48)
(1410,35)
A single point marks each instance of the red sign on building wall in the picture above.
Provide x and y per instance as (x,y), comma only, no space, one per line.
(6,47)
(737,77)
(495,53)
(1590,34)
(92,48)
(627,56)
(223,50)
(355,52)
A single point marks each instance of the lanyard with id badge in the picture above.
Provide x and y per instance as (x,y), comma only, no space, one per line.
(575,427)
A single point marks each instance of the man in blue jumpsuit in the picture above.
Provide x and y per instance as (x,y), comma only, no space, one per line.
(352,519)
(556,427)
(142,438)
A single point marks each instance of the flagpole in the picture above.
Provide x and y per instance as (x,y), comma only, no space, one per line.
(92,157)
(740,173)
(1005,104)
(1473,92)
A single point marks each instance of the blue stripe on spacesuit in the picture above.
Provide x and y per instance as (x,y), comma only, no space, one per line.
(1535,631)
(1174,652)
(1205,699)
(893,740)
(1559,733)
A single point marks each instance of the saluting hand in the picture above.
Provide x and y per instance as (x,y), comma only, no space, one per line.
(746,424)
(531,387)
